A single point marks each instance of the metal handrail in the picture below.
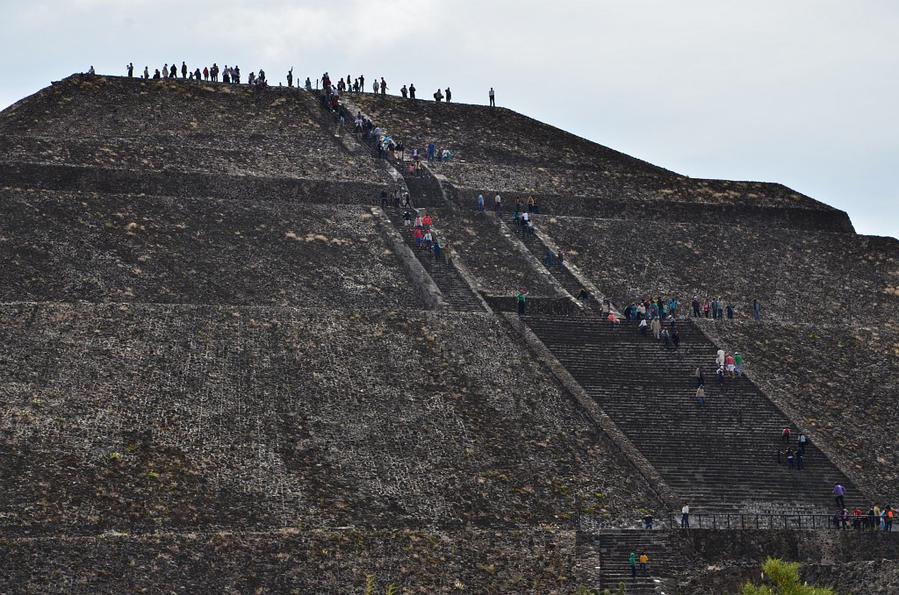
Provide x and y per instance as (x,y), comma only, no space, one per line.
(790,521)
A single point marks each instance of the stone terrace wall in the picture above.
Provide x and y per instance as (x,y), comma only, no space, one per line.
(497,150)
(143,417)
(843,382)
(805,276)
(117,107)
(187,185)
(480,134)
(290,561)
(178,127)
(102,248)
(282,157)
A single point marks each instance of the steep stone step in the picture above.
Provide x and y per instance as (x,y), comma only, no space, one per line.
(455,290)
(722,457)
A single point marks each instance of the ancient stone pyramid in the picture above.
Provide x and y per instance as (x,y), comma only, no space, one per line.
(226,367)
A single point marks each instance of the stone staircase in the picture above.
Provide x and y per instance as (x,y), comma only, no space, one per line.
(720,458)
(612,549)
(455,290)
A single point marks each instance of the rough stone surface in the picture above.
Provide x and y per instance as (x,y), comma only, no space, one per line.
(295,561)
(499,267)
(246,417)
(102,248)
(841,383)
(497,150)
(798,276)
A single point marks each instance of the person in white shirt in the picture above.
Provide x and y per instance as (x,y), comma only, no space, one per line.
(685,516)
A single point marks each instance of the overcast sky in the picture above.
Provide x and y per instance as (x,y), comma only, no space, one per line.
(803,92)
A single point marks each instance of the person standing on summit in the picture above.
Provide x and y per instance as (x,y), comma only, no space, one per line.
(492,98)
(130,68)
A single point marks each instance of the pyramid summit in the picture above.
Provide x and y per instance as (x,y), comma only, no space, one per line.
(257,339)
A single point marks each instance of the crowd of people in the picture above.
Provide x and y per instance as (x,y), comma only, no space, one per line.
(423,234)
(232,75)
(229,74)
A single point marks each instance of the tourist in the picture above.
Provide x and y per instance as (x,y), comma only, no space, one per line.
(308,84)
(492,98)
(675,338)
(411,91)
(428,240)
(183,69)
(437,250)
(156,74)
(644,561)
(720,358)
(407,218)
(700,396)
(426,220)
(720,374)
(174,72)
(785,435)
(839,492)
(643,326)
(802,441)
(583,295)
(698,375)
(800,460)
(383,86)
(130,69)
(613,320)
(647,522)
(791,461)
(438,96)
(419,236)
(549,259)
(738,363)
(632,562)
(521,300)
(685,516)
(665,336)
(290,77)
(498,204)
(449,95)
(730,364)
(705,308)
(730,311)
(656,326)
(146,73)
(857,515)
(756,310)
(695,304)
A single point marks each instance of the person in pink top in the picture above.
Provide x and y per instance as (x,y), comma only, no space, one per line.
(730,364)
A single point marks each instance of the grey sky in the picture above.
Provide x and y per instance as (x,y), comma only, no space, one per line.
(803,92)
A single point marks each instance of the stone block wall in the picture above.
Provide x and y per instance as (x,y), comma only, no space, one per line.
(107,248)
(151,417)
(842,383)
(797,276)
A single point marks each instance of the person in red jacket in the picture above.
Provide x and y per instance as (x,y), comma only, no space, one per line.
(418,237)
(426,220)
